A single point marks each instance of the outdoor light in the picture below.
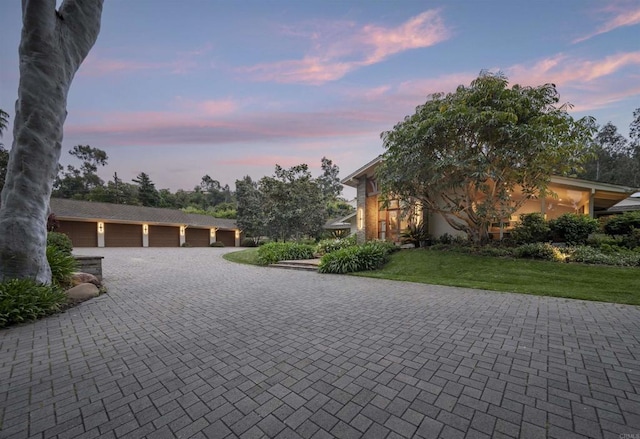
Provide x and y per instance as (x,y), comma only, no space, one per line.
(182,229)
(212,233)
(360,219)
(237,233)
(145,229)
(101,227)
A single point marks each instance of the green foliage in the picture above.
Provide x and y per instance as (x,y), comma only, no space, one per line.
(62,266)
(250,242)
(590,255)
(185,244)
(531,228)
(147,193)
(538,250)
(22,300)
(274,252)
(573,229)
(251,207)
(217,244)
(415,234)
(60,241)
(464,153)
(622,224)
(368,256)
(330,245)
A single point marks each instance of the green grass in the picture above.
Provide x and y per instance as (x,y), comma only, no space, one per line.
(247,256)
(575,281)
(542,278)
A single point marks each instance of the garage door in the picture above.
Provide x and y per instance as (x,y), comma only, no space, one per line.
(122,235)
(164,236)
(82,234)
(197,237)
(227,237)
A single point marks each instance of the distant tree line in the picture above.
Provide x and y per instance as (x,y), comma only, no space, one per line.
(616,159)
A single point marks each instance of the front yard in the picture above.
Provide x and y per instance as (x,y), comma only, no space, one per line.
(543,278)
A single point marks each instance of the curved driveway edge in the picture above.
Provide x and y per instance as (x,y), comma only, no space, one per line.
(186,344)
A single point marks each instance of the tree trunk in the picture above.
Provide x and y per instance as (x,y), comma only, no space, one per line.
(52,47)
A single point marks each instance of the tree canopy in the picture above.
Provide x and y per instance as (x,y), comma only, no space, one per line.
(462,154)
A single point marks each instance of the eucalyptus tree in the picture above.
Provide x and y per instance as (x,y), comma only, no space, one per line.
(463,154)
(53,45)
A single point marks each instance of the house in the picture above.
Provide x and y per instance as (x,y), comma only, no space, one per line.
(93,224)
(375,221)
(630,204)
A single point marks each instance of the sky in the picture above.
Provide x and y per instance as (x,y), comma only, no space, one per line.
(180,89)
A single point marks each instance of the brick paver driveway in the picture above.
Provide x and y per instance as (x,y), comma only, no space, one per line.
(188,345)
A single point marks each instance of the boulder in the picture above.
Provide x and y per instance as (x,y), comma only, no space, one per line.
(85,278)
(83,292)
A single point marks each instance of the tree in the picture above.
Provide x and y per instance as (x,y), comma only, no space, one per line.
(53,45)
(4,154)
(462,154)
(79,183)
(250,212)
(329,181)
(147,193)
(293,203)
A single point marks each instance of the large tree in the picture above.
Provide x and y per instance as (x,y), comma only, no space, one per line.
(78,183)
(53,45)
(251,217)
(147,193)
(463,154)
(4,154)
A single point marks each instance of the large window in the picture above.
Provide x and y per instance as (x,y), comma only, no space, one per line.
(393,218)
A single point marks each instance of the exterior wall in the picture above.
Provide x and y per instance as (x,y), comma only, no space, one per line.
(371,218)
(122,235)
(82,234)
(164,236)
(197,237)
(227,237)
(361,198)
(438,226)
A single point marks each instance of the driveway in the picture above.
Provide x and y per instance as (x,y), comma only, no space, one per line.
(186,344)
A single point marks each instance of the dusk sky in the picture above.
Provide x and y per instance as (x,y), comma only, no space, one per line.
(180,89)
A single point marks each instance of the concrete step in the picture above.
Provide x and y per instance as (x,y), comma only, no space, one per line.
(304,264)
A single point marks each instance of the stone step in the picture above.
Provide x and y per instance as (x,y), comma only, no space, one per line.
(304,264)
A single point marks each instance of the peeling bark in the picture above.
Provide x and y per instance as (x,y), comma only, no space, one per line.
(52,47)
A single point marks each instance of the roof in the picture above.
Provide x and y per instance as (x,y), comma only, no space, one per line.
(366,170)
(66,209)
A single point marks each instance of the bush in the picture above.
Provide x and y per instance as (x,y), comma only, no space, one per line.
(62,266)
(274,252)
(538,250)
(590,255)
(415,234)
(622,224)
(368,256)
(23,299)
(250,242)
(330,245)
(60,241)
(573,229)
(185,244)
(217,244)
(531,228)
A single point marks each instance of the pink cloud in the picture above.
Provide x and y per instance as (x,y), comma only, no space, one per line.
(336,53)
(625,17)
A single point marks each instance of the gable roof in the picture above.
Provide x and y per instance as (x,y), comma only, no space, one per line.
(66,209)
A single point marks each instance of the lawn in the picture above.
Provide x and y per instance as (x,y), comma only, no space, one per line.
(542,278)
(246,256)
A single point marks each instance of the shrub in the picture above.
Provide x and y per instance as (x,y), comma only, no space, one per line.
(531,228)
(60,241)
(590,255)
(185,244)
(368,256)
(23,299)
(62,266)
(415,234)
(573,229)
(217,244)
(250,242)
(330,245)
(274,252)
(622,224)
(496,252)
(538,250)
